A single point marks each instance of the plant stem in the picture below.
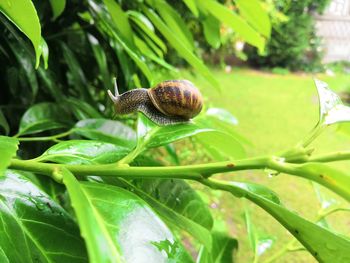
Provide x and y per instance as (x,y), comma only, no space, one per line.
(185,172)
(45,138)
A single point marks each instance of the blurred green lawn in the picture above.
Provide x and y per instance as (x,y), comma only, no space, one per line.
(274,113)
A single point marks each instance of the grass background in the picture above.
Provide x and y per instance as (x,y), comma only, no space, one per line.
(274,113)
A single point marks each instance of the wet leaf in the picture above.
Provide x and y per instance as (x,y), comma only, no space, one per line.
(332,109)
(118,226)
(28,217)
(42,117)
(106,130)
(84,152)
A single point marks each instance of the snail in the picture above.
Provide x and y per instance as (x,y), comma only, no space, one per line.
(170,102)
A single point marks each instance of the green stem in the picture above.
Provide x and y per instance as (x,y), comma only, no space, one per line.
(45,138)
(184,172)
(331,157)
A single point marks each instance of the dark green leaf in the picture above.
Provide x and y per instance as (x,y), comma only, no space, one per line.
(23,14)
(8,149)
(84,152)
(4,124)
(106,130)
(34,227)
(42,117)
(118,226)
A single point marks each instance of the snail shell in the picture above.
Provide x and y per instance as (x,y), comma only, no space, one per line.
(170,102)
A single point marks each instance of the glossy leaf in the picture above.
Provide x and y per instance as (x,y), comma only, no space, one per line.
(155,136)
(180,47)
(4,124)
(256,15)
(57,7)
(237,23)
(84,152)
(172,217)
(23,14)
(177,195)
(29,218)
(43,52)
(8,149)
(42,117)
(222,252)
(323,244)
(332,109)
(106,130)
(118,226)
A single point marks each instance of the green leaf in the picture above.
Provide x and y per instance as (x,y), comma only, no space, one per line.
(3,123)
(8,149)
(101,59)
(84,152)
(211,30)
(173,217)
(177,195)
(106,130)
(175,23)
(44,53)
(57,7)
(42,117)
(323,244)
(180,47)
(332,109)
(156,136)
(237,23)
(81,109)
(256,15)
(191,4)
(34,227)
(120,20)
(147,27)
(22,13)
(118,226)
(222,252)
(331,178)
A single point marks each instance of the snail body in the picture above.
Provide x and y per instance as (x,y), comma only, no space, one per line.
(170,102)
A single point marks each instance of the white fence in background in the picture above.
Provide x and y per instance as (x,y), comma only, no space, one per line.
(334,28)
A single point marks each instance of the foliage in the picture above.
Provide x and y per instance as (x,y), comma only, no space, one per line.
(92,184)
(293,43)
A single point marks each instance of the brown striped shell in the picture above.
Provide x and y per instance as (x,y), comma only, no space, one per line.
(177,98)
